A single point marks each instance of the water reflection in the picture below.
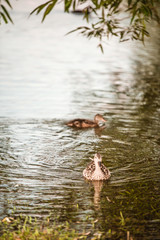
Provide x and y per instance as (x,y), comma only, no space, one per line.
(97,193)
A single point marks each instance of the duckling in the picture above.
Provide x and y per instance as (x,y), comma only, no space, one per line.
(96,170)
(85,123)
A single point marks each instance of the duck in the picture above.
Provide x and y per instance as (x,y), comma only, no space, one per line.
(85,123)
(96,170)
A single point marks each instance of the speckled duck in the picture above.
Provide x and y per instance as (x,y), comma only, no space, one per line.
(85,123)
(96,170)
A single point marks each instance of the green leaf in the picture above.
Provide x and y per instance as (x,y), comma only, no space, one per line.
(101,47)
(103,15)
(6,13)
(67,5)
(74,4)
(7,1)
(122,34)
(146,10)
(86,15)
(39,8)
(4,18)
(133,15)
(109,27)
(49,9)
(146,33)
(94,11)
(79,28)
(129,2)
(124,40)
(122,219)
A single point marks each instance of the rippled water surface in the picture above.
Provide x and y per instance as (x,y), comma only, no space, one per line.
(47,78)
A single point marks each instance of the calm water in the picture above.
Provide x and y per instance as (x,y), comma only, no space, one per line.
(47,78)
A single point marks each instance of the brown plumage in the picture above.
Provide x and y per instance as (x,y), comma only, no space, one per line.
(85,123)
(96,170)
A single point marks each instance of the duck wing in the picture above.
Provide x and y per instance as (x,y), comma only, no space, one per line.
(88,171)
(88,123)
(75,122)
(81,123)
(105,171)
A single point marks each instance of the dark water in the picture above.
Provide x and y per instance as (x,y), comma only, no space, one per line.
(47,78)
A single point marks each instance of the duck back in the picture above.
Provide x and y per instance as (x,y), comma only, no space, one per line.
(91,173)
(81,123)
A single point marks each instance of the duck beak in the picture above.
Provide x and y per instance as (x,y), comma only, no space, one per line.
(102,122)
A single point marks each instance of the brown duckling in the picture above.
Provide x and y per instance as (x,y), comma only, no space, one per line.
(85,123)
(96,170)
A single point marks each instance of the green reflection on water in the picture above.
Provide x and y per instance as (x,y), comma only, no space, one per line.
(135,208)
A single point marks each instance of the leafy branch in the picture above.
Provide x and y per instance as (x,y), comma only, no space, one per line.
(125,19)
(4,14)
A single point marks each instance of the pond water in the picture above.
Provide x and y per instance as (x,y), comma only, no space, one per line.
(47,78)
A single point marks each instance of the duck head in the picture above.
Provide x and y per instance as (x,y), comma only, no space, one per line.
(99,118)
(98,159)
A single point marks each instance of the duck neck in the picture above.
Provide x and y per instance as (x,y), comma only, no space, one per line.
(96,121)
(97,166)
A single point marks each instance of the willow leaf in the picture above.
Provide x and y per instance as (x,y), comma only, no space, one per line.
(129,2)
(39,8)
(133,16)
(101,47)
(4,18)
(67,5)
(7,1)
(49,9)
(79,28)
(74,5)
(6,13)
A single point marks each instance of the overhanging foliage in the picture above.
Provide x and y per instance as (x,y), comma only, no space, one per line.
(125,19)
(4,14)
